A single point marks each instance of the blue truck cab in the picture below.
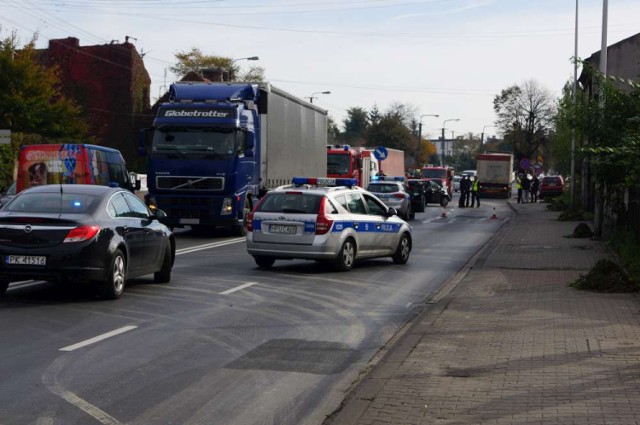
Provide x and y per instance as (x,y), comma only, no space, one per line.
(207,154)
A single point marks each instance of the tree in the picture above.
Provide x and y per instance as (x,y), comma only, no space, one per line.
(427,150)
(525,117)
(32,104)
(333,132)
(196,61)
(391,133)
(355,126)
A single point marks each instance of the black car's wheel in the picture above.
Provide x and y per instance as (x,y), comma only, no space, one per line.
(164,275)
(407,215)
(412,214)
(401,256)
(4,284)
(444,201)
(116,277)
(264,262)
(346,256)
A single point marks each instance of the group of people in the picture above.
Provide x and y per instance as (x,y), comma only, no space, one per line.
(469,192)
(527,188)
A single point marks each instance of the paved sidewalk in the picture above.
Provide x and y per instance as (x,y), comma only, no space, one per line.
(512,343)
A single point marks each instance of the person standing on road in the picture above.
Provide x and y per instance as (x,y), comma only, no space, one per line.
(535,186)
(464,190)
(526,187)
(475,192)
(519,187)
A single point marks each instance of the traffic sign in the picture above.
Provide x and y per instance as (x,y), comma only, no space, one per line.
(525,163)
(380,153)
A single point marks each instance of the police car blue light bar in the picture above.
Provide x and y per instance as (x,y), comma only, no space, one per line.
(323,181)
(389,178)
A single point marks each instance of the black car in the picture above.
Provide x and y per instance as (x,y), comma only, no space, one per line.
(435,193)
(417,190)
(86,233)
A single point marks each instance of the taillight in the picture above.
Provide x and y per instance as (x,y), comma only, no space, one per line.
(248,223)
(323,223)
(81,233)
(398,195)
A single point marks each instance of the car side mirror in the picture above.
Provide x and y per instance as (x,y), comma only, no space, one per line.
(250,141)
(159,214)
(391,212)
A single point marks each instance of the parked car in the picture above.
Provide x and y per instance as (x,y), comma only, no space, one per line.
(84,233)
(551,186)
(436,194)
(394,192)
(338,224)
(418,196)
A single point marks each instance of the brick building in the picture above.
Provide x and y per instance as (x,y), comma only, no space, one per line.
(112,86)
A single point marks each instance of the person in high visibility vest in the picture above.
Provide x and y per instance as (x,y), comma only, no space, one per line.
(519,187)
(475,191)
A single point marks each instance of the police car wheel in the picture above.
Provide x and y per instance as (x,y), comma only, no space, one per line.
(346,256)
(401,255)
(264,262)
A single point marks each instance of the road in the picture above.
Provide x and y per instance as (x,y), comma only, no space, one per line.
(224,342)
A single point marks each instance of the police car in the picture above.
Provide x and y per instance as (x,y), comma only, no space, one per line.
(394,192)
(325,219)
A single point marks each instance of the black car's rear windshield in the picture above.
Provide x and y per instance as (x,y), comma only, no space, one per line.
(290,202)
(65,203)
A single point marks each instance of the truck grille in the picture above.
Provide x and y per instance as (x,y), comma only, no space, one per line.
(190,183)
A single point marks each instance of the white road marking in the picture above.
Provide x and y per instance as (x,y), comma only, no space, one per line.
(208,246)
(237,288)
(98,338)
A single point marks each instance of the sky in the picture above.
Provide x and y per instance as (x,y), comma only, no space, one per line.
(442,57)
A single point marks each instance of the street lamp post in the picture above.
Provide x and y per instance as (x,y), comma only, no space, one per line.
(442,141)
(482,135)
(250,58)
(313,95)
(420,137)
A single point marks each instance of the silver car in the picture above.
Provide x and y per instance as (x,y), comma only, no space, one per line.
(316,220)
(394,192)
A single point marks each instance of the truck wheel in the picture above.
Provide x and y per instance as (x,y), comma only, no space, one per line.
(444,201)
(264,262)
(114,285)
(401,256)
(164,275)
(4,284)
(346,256)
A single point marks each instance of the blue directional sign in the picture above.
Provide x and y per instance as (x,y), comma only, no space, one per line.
(380,153)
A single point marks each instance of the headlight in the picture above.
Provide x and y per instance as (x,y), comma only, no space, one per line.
(227,206)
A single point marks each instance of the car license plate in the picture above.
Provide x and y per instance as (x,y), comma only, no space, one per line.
(278,228)
(189,221)
(26,260)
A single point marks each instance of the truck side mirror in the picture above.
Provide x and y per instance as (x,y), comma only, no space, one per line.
(142,142)
(250,141)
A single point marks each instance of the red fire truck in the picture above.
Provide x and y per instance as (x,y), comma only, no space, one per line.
(357,163)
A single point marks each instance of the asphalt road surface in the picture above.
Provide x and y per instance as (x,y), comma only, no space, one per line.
(224,342)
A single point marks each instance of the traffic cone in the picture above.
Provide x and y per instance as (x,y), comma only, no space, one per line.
(493,217)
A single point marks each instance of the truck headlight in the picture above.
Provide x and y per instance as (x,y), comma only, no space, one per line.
(227,206)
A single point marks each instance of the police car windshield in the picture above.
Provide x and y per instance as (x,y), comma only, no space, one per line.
(194,142)
(290,202)
(383,188)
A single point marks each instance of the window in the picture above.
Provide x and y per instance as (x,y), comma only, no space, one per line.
(138,208)
(300,203)
(375,208)
(342,201)
(356,204)
(66,203)
(118,206)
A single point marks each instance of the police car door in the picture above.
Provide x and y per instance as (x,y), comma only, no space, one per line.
(361,222)
(385,233)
